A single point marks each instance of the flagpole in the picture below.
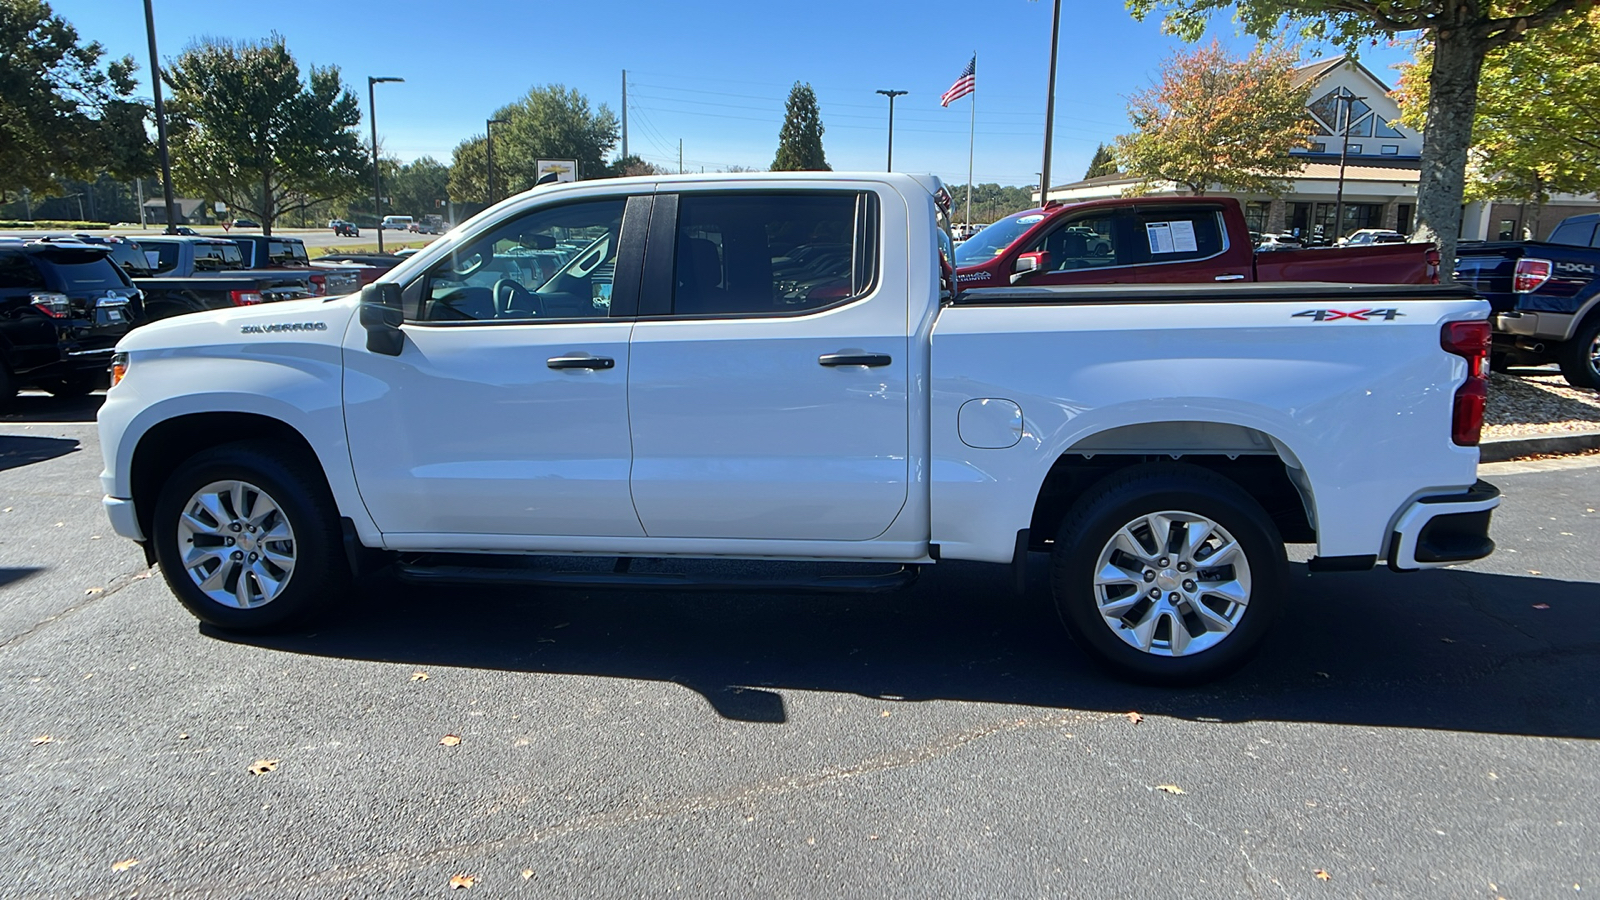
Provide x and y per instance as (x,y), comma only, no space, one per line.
(972,134)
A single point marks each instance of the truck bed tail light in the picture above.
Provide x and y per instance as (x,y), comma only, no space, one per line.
(1470,341)
(56,306)
(1531,275)
(1432,260)
(319,285)
(245,298)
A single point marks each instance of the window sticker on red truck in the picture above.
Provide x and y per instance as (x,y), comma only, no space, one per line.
(1359,315)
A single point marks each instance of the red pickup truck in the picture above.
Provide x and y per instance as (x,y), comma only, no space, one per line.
(1156,240)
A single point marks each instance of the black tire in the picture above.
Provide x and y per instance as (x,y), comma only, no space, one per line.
(1139,491)
(8,388)
(1580,357)
(319,577)
(74,386)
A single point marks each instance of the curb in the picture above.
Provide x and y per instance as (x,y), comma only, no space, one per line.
(1503,449)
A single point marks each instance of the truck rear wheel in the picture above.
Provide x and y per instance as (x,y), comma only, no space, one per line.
(1168,573)
(1580,357)
(249,540)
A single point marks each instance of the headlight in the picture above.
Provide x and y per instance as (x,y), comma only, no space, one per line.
(119,367)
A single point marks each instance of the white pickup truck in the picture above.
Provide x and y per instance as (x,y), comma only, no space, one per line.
(772,367)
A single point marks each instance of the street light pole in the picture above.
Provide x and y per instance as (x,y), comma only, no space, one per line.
(1344,149)
(891,95)
(377,174)
(161,120)
(1050,105)
(488,136)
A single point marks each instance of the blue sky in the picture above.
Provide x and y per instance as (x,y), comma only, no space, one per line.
(715,73)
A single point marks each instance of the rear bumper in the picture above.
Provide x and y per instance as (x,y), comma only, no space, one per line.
(1551,325)
(1442,531)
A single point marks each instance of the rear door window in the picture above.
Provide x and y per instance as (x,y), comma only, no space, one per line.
(1177,234)
(287,253)
(760,253)
(17,271)
(217,257)
(1576,234)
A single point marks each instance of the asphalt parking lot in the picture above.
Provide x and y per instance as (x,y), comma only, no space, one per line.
(1428,735)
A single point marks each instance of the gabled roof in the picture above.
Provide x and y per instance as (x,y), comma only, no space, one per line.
(1316,70)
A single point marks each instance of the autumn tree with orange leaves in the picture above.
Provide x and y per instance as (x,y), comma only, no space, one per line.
(1213,121)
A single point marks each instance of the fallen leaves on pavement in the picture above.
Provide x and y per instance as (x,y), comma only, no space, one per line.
(1134,717)
(43,739)
(457,882)
(263,766)
(1171,789)
(94,590)
(419,676)
(1322,875)
(526,874)
(450,740)
(123,865)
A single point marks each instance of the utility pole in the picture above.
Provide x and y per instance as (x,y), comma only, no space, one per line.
(889,167)
(138,185)
(161,119)
(624,113)
(1050,105)
(680,156)
(1344,149)
(377,173)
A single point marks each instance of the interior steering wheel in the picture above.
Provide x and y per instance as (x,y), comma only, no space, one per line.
(513,301)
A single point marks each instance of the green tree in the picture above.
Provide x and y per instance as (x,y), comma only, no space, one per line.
(1537,130)
(550,122)
(1104,163)
(800,139)
(62,113)
(1462,33)
(633,165)
(245,129)
(418,187)
(469,172)
(1215,120)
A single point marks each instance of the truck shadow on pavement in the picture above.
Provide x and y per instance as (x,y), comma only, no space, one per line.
(37,406)
(1452,650)
(17,451)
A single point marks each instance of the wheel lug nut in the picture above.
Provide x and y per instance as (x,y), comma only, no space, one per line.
(234,526)
(1155,593)
(238,555)
(1183,567)
(1173,597)
(1188,586)
(1149,576)
(1162,562)
(252,557)
(230,542)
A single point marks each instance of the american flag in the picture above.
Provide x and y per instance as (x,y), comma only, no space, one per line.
(966,84)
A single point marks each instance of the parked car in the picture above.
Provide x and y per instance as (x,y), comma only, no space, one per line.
(1135,240)
(245,223)
(1271,242)
(786,377)
(395,223)
(1546,297)
(344,229)
(167,295)
(370,265)
(186,231)
(1365,236)
(277,252)
(430,225)
(63,307)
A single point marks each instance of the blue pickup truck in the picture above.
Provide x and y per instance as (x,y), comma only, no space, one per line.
(1545,296)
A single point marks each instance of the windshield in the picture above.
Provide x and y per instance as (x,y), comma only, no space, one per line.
(215,257)
(988,243)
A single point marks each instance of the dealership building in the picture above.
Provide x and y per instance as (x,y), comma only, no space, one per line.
(1383,159)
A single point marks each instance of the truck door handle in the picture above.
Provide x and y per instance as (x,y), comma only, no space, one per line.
(855,359)
(1229,278)
(580,362)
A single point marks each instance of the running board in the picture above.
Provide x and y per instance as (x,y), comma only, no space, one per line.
(621,579)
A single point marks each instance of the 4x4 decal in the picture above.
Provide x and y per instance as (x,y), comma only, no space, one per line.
(1359,315)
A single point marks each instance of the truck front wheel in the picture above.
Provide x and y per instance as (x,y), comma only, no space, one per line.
(248,539)
(1168,573)
(1580,357)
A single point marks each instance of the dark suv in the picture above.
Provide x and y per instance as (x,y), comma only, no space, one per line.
(63,307)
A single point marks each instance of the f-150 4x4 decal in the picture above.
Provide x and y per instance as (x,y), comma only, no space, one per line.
(1359,315)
